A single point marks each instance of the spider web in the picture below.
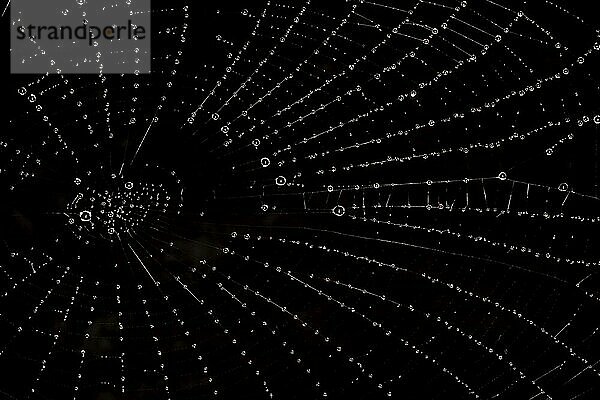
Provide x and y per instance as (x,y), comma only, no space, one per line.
(311,200)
